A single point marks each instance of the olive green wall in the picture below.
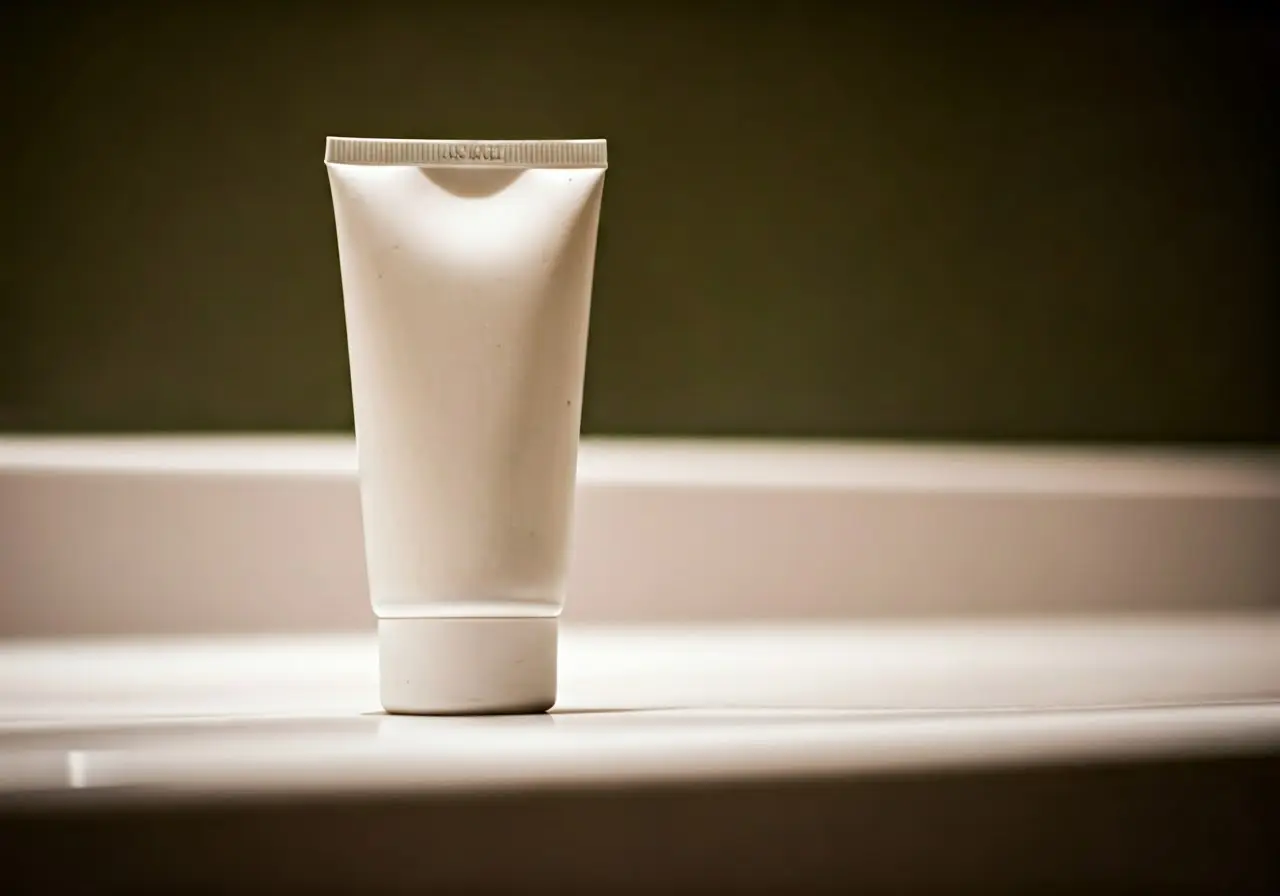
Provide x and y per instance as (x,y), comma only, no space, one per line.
(819,221)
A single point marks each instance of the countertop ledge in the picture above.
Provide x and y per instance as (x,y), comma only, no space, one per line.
(193,718)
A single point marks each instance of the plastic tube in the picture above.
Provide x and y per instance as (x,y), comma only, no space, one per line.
(467,268)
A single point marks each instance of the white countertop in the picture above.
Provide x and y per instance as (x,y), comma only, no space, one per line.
(925,747)
(133,719)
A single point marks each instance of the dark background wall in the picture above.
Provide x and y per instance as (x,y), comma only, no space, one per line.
(820,220)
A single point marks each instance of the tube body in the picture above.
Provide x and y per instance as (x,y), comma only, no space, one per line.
(466,276)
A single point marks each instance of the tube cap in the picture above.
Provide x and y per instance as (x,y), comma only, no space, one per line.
(467,666)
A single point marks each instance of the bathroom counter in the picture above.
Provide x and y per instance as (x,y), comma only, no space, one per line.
(671,751)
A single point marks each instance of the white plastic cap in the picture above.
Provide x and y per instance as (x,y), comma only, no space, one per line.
(467,666)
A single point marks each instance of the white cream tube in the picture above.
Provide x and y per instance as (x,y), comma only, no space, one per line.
(466,278)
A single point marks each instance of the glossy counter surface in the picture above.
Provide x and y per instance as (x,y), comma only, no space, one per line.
(165,717)
(1136,755)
